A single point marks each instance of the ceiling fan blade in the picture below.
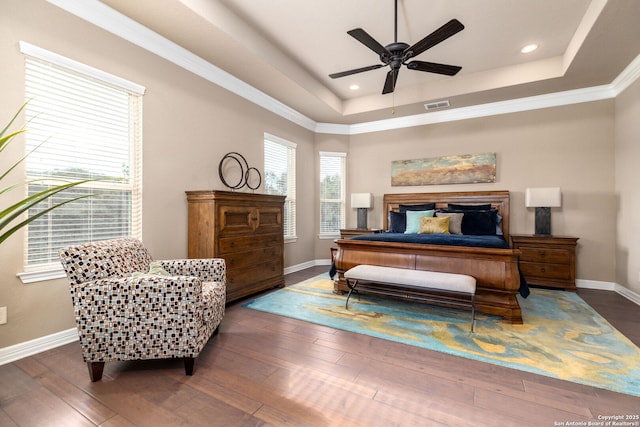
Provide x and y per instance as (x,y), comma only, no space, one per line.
(447,30)
(432,67)
(355,71)
(363,37)
(390,82)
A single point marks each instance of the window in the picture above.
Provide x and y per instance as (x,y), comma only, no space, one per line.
(80,126)
(280,177)
(332,193)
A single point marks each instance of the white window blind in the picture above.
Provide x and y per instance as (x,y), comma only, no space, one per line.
(332,193)
(80,127)
(280,177)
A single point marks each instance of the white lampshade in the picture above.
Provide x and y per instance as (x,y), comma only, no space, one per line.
(549,197)
(361,200)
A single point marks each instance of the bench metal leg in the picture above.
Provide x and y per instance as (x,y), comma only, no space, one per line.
(473,312)
(351,289)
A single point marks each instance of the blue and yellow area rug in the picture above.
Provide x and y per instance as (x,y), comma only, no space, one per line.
(562,336)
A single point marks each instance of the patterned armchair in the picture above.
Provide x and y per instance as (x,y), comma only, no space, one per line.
(123,312)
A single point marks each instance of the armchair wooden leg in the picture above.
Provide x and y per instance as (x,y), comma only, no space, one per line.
(189,365)
(95,370)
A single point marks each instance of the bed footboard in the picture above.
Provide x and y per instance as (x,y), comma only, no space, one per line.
(495,270)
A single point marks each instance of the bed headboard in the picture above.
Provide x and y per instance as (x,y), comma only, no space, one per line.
(499,200)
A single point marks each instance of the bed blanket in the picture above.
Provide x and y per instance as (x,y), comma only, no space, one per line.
(484,241)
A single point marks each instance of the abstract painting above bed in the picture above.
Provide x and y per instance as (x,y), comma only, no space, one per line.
(457,169)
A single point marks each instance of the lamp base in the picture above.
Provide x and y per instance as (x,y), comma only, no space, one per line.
(543,221)
(362,218)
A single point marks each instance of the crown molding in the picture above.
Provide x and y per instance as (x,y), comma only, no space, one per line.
(122,26)
(485,110)
(627,77)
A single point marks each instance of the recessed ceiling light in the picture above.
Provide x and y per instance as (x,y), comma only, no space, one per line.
(354,87)
(529,48)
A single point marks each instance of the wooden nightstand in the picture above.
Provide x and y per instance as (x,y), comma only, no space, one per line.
(346,233)
(547,260)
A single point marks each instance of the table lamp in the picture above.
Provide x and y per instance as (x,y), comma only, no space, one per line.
(543,199)
(362,202)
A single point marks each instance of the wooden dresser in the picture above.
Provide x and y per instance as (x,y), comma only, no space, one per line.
(245,229)
(547,260)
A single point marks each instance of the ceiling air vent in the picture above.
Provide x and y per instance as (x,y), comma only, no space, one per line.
(438,104)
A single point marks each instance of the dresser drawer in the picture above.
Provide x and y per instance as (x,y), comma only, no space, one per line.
(228,245)
(546,255)
(240,260)
(242,278)
(545,271)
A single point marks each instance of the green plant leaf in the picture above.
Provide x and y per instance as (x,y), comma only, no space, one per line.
(4,140)
(12,212)
(21,160)
(13,119)
(18,226)
(9,214)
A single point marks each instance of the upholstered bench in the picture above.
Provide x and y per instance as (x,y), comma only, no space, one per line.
(427,286)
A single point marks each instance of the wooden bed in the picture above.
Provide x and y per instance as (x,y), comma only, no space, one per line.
(495,270)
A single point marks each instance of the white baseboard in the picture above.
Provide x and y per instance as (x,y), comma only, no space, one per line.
(29,348)
(609,286)
(595,284)
(628,294)
(299,267)
(306,265)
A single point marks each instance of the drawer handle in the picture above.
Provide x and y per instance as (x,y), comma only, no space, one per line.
(254,219)
(544,270)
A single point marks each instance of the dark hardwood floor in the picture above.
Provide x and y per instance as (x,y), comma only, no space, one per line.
(264,369)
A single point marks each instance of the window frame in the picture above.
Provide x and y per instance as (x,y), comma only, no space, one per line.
(53,270)
(333,234)
(290,204)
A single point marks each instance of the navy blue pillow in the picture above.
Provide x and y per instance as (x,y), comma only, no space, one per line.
(397,222)
(478,223)
(422,207)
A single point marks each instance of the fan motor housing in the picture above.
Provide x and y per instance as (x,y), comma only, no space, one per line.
(397,54)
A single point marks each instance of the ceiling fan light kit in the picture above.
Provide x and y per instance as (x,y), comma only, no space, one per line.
(396,54)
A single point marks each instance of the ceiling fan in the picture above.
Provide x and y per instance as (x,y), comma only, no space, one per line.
(397,53)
